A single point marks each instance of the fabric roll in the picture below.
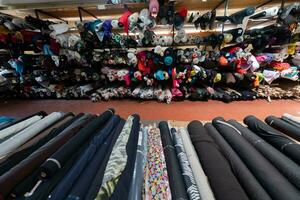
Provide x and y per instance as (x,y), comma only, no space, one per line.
(43,187)
(222,181)
(29,147)
(156,182)
(283,127)
(9,180)
(121,162)
(175,176)
(285,165)
(187,173)
(125,179)
(17,140)
(287,146)
(277,186)
(135,191)
(58,159)
(62,189)
(200,177)
(20,126)
(84,182)
(290,121)
(92,191)
(40,113)
(252,187)
(292,118)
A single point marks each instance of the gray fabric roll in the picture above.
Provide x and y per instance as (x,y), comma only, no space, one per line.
(200,177)
(292,118)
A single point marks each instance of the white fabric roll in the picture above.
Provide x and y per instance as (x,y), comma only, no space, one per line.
(200,177)
(19,126)
(23,136)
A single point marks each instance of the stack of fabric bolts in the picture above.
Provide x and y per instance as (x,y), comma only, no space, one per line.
(100,63)
(85,156)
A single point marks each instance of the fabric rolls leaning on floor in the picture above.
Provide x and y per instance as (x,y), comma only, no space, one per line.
(9,180)
(23,136)
(223,182)
(284,127)
(135,191)
(57,160)
(200,177)
(289,147)
(176,181)
(156,178)
(277,186)
(285,165)
(252,187)
(32,145)
(187,173)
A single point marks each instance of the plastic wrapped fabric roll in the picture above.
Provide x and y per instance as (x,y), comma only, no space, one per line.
(277,186)
(9,180)
(284,127)
(222,181)
(250,184)
(57,160)
(285,165)
(175,178)
(275,138)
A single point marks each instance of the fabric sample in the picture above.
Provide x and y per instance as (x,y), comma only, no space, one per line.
(135,192)
(287,146)
(221,178)
(285,165)
(57,160)
(200,177)
(251,186)
(9,180)
(175,178)
(277,186)
(17,140)
(187,173)
(156,175)
(62,189)
(284,127)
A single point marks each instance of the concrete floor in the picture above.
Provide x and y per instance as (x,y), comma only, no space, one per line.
(151,110)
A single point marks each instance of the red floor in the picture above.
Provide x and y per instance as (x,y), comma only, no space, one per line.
(150,110)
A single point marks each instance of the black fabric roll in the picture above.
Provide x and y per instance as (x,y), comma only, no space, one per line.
(221,178)
(277,186)
(284,127)
(251,186)
(121,190)
(97,181)
(176,182)
(274,137)
(59,158)
(285,165)
(290,122)
(41,113)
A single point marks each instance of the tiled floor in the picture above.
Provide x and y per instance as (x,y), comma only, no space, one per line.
(151,110)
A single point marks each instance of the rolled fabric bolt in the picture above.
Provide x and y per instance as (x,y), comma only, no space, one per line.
(290,122)
(285,165)
(287,146)
(59,158)
(292,117)
(250,184)
(223,182)
(17,140)
(284,127)
(277,186)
